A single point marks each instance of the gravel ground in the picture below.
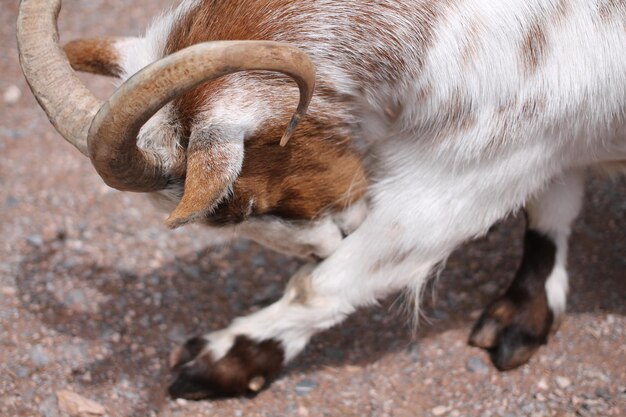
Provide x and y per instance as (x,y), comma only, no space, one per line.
(95,292)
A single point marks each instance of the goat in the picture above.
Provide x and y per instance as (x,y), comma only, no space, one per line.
(460,112)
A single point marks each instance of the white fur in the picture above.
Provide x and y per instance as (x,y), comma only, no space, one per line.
(438,183)
(317,238)
(552,213)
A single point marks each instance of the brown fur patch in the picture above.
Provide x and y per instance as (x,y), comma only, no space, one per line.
(612,9)
(562,11)
(315,173)
(97,56)
(532,107)
(534,47)
(459,114)
(470,45)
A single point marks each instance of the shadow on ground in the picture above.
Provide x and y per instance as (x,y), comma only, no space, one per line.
(204,291)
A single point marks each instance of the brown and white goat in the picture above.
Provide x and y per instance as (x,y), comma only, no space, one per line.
(462,111)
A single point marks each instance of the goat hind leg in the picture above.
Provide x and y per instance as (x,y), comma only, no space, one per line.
(516,324)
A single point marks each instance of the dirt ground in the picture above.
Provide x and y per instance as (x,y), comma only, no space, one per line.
(95,292)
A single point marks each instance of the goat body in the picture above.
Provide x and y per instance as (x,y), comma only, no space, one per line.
(459,111)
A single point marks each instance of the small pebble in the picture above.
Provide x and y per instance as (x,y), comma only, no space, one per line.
(12,95)
(563,382)
(75,298)
(603,393)
(48,407)
(177,333)
(414,352)
(305,386)
(8,291)
(35,240)
(39,357)
(21,372)
(476,365)
(542,384)
(439,410)
(78,406)
(475,314)
(11,202)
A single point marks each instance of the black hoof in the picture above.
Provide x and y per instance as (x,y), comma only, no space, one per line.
(511,333)
(246,369)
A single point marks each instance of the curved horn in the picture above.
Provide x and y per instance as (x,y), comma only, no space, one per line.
(110,138)
(50,76)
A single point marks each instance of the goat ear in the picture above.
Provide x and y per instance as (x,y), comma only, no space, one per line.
(213,164)
(101,56)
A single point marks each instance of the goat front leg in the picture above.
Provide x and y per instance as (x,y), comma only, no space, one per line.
(516,324)
(250,353)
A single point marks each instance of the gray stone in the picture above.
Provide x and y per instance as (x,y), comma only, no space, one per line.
(49,408)
(603,393)
(27,395)
(258,260)
(177,333)
(414,352)
(21,372)
(39,357)
(305,386)
(11,202)
(476,365)
(268,294)
(73,352)
(75,298)
(35,240)
(70,263)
